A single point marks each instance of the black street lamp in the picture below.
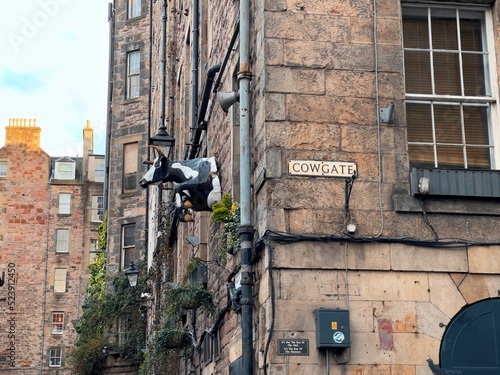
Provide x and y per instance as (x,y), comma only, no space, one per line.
(132,274)
(163,139)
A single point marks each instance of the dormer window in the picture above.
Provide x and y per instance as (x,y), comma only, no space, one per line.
(65,170)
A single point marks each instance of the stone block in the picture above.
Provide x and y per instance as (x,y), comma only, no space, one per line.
(275,107)
(413,258)
(444,294)
(484,259)
(357,84)
(389,286)
(303,136)
(293,80)
(429,318)
(473,288)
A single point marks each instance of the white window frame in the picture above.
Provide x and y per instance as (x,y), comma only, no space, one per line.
(57,323)
(127,249)
(97,212)
(62,240)
(64,203)
(134,8)
(99,168)
(133,74)
(490,100)
(4,168)
(55,357)
(65,170)
(60,280)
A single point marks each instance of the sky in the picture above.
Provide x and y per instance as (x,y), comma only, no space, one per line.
(54,68)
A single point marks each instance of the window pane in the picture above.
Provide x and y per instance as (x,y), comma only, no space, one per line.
(99,170)
(55,356)
(444,30)
(65,171)
(57,323)
(474,75)
(478,158)
(448,124)
(129,235)
(3,169)
(476,125)
(450,156)
(62,245)
(97,208)
(416,32)
(447,73)
(421,155)
(470,33)
(419,122)
(418,72)
(134,8)
(60,280)
(64,203)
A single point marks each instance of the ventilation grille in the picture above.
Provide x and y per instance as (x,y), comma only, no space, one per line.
(458,183)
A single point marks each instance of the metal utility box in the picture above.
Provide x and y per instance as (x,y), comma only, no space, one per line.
(332,329)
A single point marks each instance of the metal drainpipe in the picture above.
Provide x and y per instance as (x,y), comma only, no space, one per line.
(246,228)
(111,21)
(194,64)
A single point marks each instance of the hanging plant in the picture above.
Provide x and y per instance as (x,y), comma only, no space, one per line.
(189,297)
(227,213)
(172,338)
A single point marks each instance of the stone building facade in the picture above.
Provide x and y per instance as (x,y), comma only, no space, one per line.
(48,232)
(374,146)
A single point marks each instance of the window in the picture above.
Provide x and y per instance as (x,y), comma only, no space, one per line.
(124,325)
(57,323)
(3,169)
(99,170)
(134,8)
(133,74)
(55,357)
(128,245)
(97,208)
(64,203)
(449,100)
(93,250)
(65,171)
(130,155)
(60,280)
(62,241)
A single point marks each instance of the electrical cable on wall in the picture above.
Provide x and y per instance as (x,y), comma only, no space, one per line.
(273,299)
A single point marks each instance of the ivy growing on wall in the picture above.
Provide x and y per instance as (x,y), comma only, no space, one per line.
(102,311)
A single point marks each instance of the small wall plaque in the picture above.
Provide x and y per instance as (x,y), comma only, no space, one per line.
(293,347)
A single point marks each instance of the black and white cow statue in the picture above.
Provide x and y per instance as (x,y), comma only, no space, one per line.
(196,182)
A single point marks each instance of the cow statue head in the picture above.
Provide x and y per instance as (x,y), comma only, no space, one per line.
(196,181)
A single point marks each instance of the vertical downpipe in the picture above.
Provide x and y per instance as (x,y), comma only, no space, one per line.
(194,63)
(246,228)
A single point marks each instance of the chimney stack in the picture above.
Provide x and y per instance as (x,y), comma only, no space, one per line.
(22,131)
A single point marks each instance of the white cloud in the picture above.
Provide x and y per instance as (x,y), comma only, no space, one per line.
(54,68)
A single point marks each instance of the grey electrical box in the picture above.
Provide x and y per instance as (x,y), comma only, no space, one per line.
(332,329)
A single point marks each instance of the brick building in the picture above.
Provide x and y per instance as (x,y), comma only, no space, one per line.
(364,153)
(50,210)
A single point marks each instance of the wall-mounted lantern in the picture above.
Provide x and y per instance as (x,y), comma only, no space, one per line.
(132,274)
(163,139)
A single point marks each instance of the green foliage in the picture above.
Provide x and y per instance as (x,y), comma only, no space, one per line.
(227,213)
(102,310)
(88,358)
(190,296)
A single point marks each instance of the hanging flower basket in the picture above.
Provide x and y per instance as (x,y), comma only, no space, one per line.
(189,297)
(169,338)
